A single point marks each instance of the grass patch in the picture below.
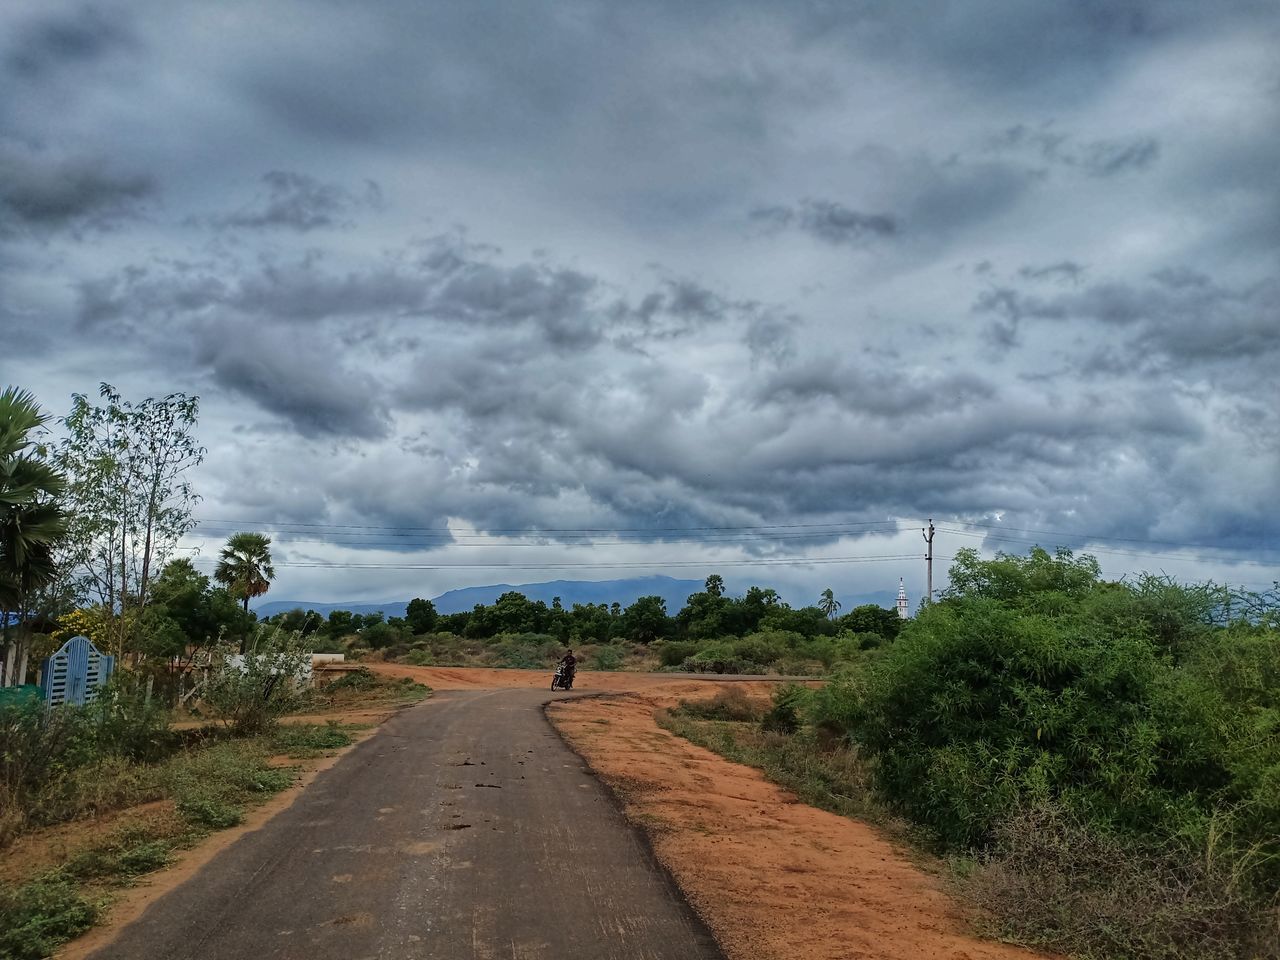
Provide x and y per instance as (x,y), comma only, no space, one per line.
(302,741)
(829,776)
(212,783)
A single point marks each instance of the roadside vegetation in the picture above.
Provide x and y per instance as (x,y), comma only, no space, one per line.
(187,736)
(712,633)
(94,797)
(1099,762)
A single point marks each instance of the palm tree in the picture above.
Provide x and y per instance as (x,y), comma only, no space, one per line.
(244,566)
(31,522)
(828,603)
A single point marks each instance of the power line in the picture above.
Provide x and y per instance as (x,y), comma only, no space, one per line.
(529,531)
(1113,552)
(774,561)
(394,541)
(1092,537)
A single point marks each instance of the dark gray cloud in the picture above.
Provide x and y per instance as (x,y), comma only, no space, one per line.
(80,35)
(296,201)
(1181,314)
(40,189)
(294,379)
(1021,285)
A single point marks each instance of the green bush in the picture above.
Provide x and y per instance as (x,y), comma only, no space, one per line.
(1035,683)
(39,916)
(672,653)
(784,715)
(729,703)
(716,657)
(360,679)
(249,695)
(606,658)
(209,810)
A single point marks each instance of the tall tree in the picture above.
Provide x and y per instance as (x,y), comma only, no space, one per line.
(715,585)
(244,566)
(130,498)
(828,603)
(31,520)
(421,615)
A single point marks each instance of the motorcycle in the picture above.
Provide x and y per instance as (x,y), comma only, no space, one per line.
(563,680)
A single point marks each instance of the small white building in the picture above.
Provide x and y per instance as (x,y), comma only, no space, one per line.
(902,599)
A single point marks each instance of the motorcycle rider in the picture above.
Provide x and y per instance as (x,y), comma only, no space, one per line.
(570,664)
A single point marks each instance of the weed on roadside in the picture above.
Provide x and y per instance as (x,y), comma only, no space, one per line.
(309,740)
(39,916)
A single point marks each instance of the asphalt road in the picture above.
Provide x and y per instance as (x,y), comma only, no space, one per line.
(463,828)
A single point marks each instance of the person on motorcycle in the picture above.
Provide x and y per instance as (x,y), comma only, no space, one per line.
(570,664)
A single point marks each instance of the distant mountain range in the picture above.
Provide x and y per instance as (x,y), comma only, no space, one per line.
(674,592)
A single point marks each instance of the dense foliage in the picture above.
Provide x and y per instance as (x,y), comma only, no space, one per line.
(1144,710)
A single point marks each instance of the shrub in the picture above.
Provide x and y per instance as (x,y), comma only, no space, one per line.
(606,658)
(207,810)
(37,917)
(249,694)
(714,658)
(360,679)
(419,658)
(672,653)
(1056,881)
(729,703)
(784,716)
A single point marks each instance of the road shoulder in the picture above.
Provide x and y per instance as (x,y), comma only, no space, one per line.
(772,877)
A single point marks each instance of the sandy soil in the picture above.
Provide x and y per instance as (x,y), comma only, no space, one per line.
(772,877)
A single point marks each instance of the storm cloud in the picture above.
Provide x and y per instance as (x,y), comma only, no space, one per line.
(643,268)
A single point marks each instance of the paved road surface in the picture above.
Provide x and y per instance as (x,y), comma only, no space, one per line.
(463,828)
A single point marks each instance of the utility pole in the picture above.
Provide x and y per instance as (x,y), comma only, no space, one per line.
(928,562)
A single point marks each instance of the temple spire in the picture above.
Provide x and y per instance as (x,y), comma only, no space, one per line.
(902,598)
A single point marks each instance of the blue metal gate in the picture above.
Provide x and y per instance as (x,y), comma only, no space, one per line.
(75,673)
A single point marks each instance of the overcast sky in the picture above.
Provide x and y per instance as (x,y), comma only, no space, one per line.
(501,267)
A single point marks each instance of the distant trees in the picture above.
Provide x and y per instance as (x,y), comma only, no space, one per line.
(244,566)
(870,618)
(646,620)
(828,603)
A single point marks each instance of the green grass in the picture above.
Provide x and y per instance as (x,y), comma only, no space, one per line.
(303,741)
(212,784)
(831,778)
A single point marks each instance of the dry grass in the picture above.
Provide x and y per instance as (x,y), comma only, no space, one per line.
(1053,882)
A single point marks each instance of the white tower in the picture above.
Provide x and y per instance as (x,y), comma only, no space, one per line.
(902,599)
